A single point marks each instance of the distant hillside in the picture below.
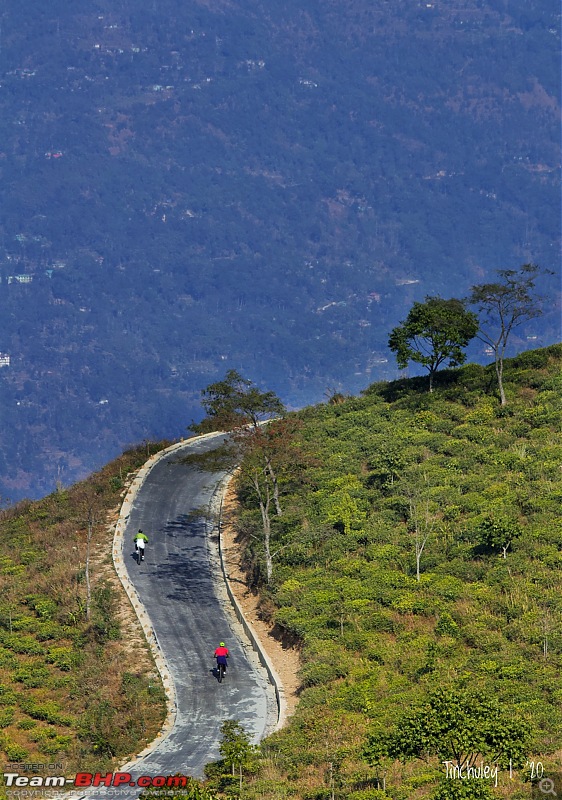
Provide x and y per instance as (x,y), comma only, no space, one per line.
(474,489)
(192,186)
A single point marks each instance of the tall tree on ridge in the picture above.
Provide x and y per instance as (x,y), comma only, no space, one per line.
(502,306)
(433,332)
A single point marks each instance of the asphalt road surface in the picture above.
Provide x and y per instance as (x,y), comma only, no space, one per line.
(189,614)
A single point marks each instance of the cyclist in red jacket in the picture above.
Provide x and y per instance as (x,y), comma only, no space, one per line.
(221,654)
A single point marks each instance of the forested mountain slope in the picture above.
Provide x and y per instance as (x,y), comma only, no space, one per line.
(418,560)
(189,186)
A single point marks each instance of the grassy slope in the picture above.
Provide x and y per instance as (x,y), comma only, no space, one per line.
(66,682)
(375,640)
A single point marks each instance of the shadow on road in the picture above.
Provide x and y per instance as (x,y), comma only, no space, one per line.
(187,571)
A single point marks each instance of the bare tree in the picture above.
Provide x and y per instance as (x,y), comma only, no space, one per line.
(502,306)
(87,570)
(423,513)
(266,455)
(91,510)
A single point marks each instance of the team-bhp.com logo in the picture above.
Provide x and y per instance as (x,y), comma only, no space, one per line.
(83,780)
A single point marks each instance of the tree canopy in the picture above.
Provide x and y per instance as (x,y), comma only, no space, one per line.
(460,726)
(433,333)
(499,533)
(234,402)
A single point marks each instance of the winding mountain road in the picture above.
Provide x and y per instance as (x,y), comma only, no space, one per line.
(189,612)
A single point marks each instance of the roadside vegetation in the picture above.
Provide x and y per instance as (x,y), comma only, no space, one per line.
(418,562)
(70,675)
(410,543)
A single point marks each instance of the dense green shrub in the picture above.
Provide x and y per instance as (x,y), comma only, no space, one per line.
(380,621)
(412,603)
(447,587)
(44,607)
(105,622)
(389,555)
(368,794)
(65,658)
(320,673)
(26,724)
(7,696)
(22,644)
(464,790)
(14,752)
(32,675)
(356,641)
(50,742)
(7,658)
(48,711)
(6,717)
(446,625)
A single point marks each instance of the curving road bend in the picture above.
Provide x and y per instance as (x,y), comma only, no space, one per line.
(190,614)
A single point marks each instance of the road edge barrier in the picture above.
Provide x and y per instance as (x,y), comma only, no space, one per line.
(252,635)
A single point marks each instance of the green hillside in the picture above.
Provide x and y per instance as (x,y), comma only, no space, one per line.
(68,664)
(475,490)
(417,561)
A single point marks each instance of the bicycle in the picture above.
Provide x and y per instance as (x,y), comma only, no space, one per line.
(221,654)
(140,540)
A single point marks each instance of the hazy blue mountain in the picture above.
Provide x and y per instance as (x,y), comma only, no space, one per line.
(188,187)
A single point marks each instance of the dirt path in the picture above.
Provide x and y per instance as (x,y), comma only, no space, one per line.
(285,659)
